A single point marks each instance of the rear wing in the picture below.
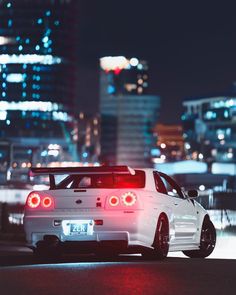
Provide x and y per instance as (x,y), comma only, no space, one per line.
(52,171)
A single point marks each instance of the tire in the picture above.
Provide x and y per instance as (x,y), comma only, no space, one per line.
(161,240)
(207,241)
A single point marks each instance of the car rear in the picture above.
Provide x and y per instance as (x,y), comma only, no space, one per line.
(87,211)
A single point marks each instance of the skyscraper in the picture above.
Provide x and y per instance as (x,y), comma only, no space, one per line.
(128,112)
(37,81)
(209,128)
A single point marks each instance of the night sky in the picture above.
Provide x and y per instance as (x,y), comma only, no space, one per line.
(190,47)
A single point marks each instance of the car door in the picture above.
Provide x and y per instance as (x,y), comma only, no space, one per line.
(184,212)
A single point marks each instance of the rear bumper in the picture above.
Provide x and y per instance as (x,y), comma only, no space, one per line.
(120,229)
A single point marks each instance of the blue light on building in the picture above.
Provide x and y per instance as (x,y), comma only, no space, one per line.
(210,127)
(36,70)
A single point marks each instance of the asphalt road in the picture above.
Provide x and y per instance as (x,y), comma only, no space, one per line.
(20,274)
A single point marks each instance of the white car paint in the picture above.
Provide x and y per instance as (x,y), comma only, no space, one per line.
(135,224)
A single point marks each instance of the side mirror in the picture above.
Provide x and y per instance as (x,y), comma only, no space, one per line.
(192,194)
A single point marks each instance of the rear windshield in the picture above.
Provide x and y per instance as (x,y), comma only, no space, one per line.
(103,181)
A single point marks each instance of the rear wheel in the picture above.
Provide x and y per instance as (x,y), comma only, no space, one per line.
(207,241)
(161,240)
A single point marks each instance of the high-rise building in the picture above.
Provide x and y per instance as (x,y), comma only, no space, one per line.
(128,112)
(88,138)
(37,81)
(170,143)
(209,128)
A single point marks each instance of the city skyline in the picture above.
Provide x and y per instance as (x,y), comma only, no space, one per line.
(189,48)
(37,84)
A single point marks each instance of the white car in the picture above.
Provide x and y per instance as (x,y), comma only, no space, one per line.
(116,209)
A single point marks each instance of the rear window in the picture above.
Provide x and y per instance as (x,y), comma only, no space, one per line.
(103,181)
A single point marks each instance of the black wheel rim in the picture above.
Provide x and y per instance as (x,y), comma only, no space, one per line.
(163,237)
(208,239)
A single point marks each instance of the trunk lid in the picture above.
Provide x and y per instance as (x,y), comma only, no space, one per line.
(80,198)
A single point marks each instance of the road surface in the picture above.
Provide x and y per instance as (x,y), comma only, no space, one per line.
(20,274)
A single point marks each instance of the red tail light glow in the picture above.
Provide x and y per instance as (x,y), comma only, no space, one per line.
(47,202)
(114,201)
(39,201)
(129,199)
(33,200)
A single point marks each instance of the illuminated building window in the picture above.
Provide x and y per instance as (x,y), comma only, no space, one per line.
(15,78)
(20,48)
(3,94)
(111,89)
(140,81)
(62,116)
(140,66)
(113,63)
(226,114)
(37,47)
(27,41)
(130,87)
(48,32)
(134,61)
(45,39)
(29,59)
(9,23)
(145,84)
(40,21)
(81,115)
(140,90)
(48,13)
(44,106)
(85,155)
(3,115)
(8,5)
(210,115)
(56,23)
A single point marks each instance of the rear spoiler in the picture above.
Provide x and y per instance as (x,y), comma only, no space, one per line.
(83,170)
(52,171)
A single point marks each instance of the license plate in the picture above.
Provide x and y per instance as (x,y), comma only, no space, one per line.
(80,229)
(77,227)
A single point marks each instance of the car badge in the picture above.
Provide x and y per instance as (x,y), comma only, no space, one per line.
(78,201)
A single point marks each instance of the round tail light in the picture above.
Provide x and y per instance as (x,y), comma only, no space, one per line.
(33,200)
(114,201)
(47,202)
(129,199)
